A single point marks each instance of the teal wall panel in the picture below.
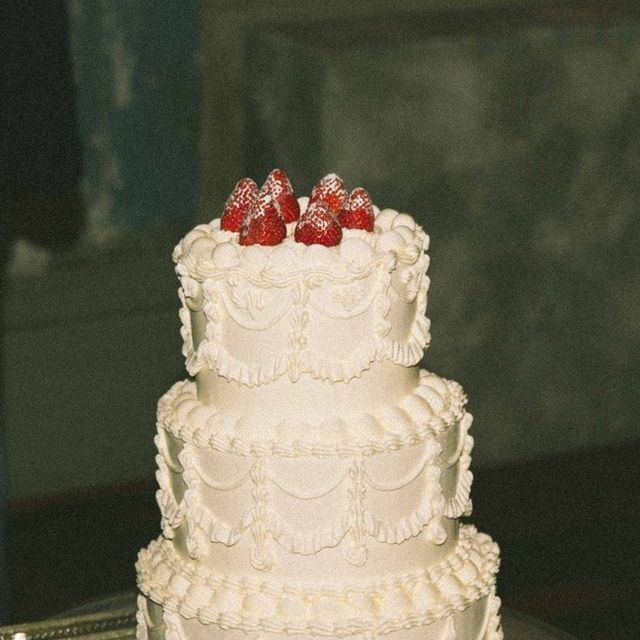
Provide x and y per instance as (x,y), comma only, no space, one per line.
(137,71)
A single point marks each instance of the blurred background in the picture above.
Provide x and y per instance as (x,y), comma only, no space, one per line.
(509,129)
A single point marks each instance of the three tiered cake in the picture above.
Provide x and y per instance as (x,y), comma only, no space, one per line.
(311,475)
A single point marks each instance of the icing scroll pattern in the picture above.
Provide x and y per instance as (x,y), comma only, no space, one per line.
(250,304)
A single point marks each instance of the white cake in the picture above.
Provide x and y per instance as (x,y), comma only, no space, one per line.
(311,475)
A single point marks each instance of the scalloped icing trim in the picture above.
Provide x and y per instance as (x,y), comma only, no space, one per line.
(214,355)
(208,255)
(251,604)
(431,408)
(355,522)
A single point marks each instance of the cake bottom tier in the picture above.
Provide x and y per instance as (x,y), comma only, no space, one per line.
(451,600)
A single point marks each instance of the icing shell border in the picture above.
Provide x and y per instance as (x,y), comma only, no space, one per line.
(382,606)
(431,408)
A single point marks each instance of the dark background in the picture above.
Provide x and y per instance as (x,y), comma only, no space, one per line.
(511,133)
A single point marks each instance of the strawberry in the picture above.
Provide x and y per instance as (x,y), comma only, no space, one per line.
(244,194)
(318,225)
(331,191)
(263,224)
(279,186)
(357,211)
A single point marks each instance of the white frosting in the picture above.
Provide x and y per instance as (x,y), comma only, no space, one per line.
(310,476)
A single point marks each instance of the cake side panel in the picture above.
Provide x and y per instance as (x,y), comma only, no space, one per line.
(311,400)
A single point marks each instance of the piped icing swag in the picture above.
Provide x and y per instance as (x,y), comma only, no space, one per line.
(260,216)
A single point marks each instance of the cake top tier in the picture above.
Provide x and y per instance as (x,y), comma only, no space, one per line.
(324,285)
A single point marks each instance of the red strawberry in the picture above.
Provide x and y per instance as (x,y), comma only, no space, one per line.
(279,186)
(357,211)
(331,191)
(238,204)
(318,225)
(263,224)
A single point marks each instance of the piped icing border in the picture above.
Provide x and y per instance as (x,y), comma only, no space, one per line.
(378,607)
(431,408)
(460,503)
(174,630)
(174,625)
(207,249)
(256,288)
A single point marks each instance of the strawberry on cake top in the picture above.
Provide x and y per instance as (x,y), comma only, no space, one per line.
(260,216)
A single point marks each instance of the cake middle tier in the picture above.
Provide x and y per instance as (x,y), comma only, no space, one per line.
(345,496)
